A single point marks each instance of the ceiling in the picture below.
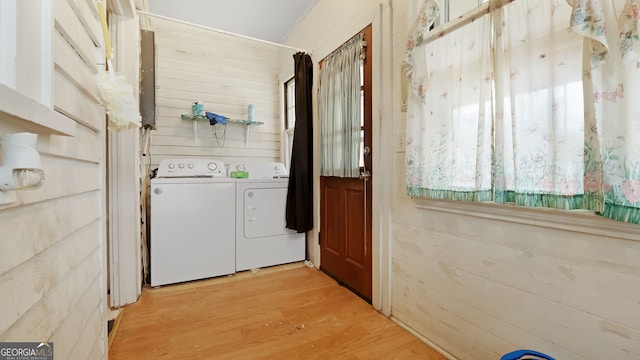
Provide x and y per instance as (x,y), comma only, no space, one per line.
(270,20)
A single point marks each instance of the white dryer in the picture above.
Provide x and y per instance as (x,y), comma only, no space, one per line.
(192,221)
(262,238)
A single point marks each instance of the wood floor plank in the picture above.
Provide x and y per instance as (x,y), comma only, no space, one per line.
(297,313)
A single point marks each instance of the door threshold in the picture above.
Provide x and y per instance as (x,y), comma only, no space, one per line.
(343,284)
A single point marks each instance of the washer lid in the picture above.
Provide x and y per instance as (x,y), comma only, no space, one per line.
(178,168)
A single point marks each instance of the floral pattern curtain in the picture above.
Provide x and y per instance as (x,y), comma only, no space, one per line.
(538,106)
(612,110)
(449,127)
(551,122)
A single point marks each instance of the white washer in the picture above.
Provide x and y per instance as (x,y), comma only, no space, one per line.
(192,221)
(262,238)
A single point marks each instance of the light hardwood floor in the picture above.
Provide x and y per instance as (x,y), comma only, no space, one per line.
(297,313)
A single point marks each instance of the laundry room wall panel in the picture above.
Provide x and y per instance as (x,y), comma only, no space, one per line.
(201,151)
(77,324)
(52,264)
(68,23)
(225,74)
(32,229)
(84,146)
(39,320)
(233,140)
(75,103)
(73,67)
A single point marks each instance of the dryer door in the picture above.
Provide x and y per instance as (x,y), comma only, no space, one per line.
(264,210)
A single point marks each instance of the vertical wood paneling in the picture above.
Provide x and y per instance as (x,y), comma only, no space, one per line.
(224,73)
(51,242)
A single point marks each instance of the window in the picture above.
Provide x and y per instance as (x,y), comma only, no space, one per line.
(456,8)
(26,55)
(289,118)
(500,109)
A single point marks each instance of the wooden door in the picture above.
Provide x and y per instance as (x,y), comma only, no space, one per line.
(345,209)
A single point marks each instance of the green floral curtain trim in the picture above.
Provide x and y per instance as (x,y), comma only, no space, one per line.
(622,213)
(483,195)
(541,200)
(593,202)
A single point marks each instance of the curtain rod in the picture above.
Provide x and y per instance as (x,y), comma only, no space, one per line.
(221,31)
(465,19)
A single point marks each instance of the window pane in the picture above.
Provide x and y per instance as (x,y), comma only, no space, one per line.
(290,103)
(459,7)
(362,108)
(362,148)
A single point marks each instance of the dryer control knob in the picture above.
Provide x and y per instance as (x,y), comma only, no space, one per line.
(276,168)
(181,166)
(212,166)
(240,167)
(191,166)
(171,166)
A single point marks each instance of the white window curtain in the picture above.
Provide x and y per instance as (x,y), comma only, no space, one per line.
(449,126)
(612,109)
(340,111)
(516,118)
(539,111)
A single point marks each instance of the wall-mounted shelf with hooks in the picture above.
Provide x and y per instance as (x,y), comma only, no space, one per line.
(231,121)
(196,118)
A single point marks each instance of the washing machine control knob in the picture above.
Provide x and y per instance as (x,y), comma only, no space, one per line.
(171,166)
(181,166)
(277,168)
(212,166)
(191,166)
(240,167)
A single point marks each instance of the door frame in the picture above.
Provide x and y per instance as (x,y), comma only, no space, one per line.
(382,183)
(124,256)
(383,74)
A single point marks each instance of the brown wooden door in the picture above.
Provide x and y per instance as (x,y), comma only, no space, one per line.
(345,209)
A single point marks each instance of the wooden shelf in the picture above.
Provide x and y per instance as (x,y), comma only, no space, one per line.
(32,115)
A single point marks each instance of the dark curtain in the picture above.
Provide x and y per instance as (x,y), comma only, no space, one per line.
(300,191)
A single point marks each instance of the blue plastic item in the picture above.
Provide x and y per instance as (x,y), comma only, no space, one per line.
(215,118)
(518,354)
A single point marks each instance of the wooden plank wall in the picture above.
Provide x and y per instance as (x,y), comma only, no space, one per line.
(479,288)
(51,241)
(225,74)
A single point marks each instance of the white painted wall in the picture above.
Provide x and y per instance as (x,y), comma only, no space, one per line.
(226,74)
(52,259)
(478,287)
